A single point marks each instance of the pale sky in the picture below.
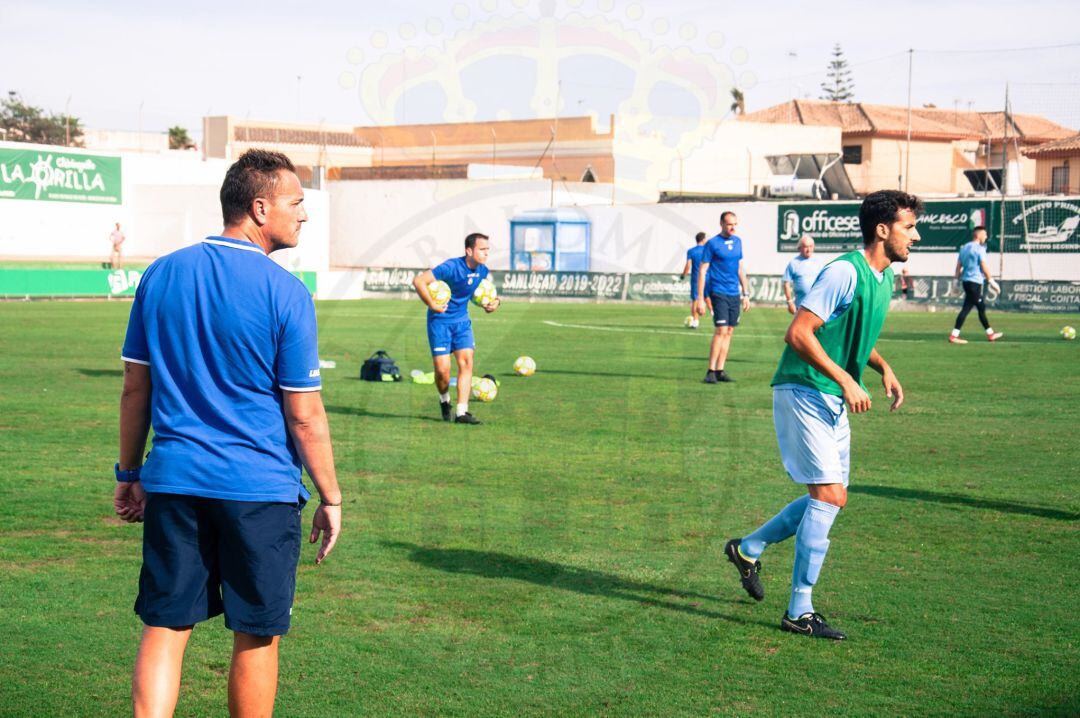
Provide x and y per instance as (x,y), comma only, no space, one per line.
(181,61)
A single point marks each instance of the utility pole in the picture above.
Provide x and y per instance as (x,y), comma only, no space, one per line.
(1004,184)
(907,152)
(67,123)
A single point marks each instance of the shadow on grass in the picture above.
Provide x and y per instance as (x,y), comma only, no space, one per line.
(361,411)
(496,565)
(95,373)
(1009,507)
(615,374)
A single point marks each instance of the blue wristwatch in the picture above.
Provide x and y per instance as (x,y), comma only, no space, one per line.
(127,475)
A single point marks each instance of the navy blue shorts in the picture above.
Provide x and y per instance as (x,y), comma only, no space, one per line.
(203,557)
(725,309)
(448,337)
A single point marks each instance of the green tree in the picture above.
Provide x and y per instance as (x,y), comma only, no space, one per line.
(179,139)
(738,102)
(838,85)
(22,122)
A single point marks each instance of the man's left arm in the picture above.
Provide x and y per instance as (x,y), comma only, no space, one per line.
(893,389)
(745,287)
(129,498)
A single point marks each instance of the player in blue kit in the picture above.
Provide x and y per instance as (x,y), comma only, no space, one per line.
(800,274)
(971,270)
(449,327)
(693,268)
(723,280)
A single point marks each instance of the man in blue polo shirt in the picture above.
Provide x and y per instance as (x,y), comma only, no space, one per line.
(723,280)
(971,270)
(693,268)
(800,274)
(220,359)
(449,327)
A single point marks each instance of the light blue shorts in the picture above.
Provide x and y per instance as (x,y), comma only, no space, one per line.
(814,435)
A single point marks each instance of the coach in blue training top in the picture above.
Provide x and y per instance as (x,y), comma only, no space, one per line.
(221,360)
(724,280)
(449,327)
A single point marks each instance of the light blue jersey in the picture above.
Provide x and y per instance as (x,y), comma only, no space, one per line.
(802,272)
(812,427)
(972,255)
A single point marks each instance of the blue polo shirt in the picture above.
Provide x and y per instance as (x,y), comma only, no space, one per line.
(723,255)
(802,272)
(694,254)
(224,331)
(971,255)
(463,282)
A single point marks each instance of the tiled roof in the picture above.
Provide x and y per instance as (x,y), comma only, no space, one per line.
(1066,146)
(858,118)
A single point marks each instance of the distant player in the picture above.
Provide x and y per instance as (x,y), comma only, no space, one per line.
(116,237)
(971,269)
(449,327)
(829,344)
(722,279)
(801,273)
(693,267)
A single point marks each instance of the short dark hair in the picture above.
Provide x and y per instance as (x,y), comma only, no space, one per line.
(980,228)
(255,174)
(699,236)
(470,241)
(725,213)
(882,207)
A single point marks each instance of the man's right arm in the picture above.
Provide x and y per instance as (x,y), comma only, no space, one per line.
(306,418)
(420,284)
(800,337)
(789,297)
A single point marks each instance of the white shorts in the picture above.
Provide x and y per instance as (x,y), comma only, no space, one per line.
(814,435)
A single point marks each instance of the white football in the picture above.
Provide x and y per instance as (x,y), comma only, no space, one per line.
(524,366)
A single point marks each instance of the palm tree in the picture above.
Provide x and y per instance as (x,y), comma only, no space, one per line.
(179,139)
(738,102)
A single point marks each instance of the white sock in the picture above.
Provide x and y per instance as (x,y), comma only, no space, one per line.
(462,409)
(955,332)
(989,330)
(445,397)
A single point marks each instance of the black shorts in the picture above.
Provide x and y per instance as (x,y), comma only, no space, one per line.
(725,309)
(203,557)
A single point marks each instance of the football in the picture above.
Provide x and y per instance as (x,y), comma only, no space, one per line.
(440,292)
(1068,332)
(485,390)
(485,293)
(524,366)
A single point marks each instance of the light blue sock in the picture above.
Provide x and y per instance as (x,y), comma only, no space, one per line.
(777,529)
(811,545)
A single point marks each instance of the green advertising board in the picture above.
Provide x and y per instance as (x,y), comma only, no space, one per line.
(1042,225)
(59,176)
(31,283)
(943,226)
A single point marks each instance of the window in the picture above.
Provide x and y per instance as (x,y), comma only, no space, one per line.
(1059,179)
(853,154)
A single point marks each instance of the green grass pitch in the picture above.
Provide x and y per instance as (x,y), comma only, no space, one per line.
(564,558)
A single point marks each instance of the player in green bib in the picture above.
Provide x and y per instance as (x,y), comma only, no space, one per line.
(819,380)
